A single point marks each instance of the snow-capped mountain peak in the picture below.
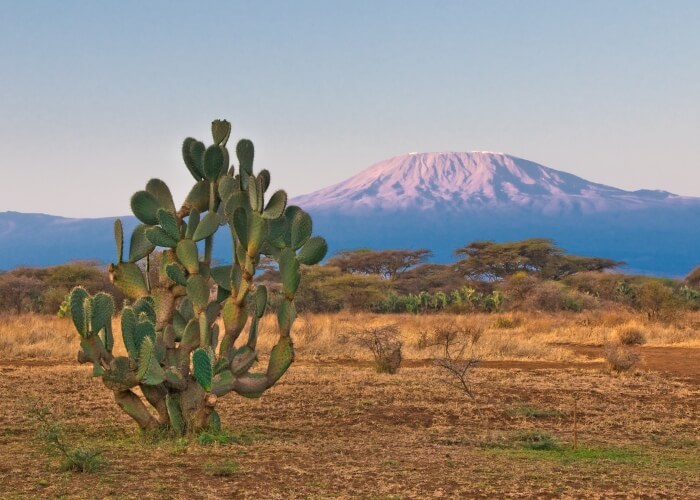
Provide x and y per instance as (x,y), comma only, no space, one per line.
(475,180)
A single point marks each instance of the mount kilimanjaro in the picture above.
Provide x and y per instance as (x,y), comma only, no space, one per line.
(440,201)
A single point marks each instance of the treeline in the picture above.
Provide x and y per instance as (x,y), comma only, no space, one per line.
(532,274)
(43,289)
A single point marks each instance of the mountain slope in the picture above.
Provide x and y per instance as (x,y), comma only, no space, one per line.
(456,182)
(442,201)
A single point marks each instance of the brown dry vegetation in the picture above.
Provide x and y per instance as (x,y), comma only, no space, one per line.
(334,428)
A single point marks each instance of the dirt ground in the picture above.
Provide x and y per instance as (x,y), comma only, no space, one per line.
(339,430)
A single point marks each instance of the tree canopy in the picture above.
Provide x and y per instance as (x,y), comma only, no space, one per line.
(385,263)
(491,261)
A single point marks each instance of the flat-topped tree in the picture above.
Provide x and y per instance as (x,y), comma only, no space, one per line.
(175,351)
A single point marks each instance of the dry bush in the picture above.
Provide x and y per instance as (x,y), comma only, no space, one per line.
(620,358)
(506,322)
(631,334)
(457,356)
(384,344)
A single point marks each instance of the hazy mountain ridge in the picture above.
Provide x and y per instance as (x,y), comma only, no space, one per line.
(439,201)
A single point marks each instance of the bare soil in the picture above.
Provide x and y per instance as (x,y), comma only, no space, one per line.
(338,430)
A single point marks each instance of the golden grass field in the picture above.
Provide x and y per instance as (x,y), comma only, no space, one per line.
(333,428)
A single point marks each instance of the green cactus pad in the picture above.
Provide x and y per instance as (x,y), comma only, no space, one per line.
(203,362)
(276,205)
(190,339)
(222,276)
(172,404)
(146,353)
(161,192)
(281,357)
(226,187)
(244,358)
(257,232)
(77,311)
(278,232)
(237,199)
(189,159)
(260,300)
(240,226)
(289,271)
(168,221)
(198,197)
(313,251)
(102,311)
(198,292)
(186,251)
(208,226)
(145,207)
(286,314)
(186,309)
(197,150)
(214,162)
(176,273)
(128,323)
(140,246)
(119,239)
(264,176)
(220,131)
(253,198)
(128,278)
(300,226)
(245,153)
(149,371)
(144,330)
(158,237)
(146,306)
(192,223)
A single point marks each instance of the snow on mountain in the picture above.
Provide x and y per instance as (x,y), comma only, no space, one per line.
(475,180)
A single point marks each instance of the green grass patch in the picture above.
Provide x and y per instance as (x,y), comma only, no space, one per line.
(618,456)
(534,440)
(221,469)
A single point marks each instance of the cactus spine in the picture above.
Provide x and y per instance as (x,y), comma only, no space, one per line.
(176,354)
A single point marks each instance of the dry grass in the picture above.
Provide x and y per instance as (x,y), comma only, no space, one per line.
(331,431)
(332,427)
(519,336)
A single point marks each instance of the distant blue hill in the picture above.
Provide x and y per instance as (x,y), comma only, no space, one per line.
(439,201)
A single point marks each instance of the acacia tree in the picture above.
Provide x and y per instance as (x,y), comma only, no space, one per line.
(170,330)
(385,263)
(491,261)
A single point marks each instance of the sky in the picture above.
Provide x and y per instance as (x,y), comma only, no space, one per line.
(97,96)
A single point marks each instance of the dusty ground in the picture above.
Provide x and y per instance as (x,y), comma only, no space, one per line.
(339,430)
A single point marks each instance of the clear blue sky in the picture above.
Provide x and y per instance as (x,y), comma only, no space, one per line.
(96,96)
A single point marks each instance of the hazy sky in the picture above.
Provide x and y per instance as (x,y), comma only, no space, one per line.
(96,96)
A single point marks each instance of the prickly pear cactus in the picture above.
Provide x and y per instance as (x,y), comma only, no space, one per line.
(176,353)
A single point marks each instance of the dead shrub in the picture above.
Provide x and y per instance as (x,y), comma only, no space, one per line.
(631,335)
(456,355)
(620,358)
(383,341)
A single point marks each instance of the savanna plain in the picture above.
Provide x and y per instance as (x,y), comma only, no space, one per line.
(553,413)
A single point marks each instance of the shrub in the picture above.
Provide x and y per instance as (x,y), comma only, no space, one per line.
(72,459)
(457,356)
(631,335)
(619,357)
(506,323)
(384,344)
